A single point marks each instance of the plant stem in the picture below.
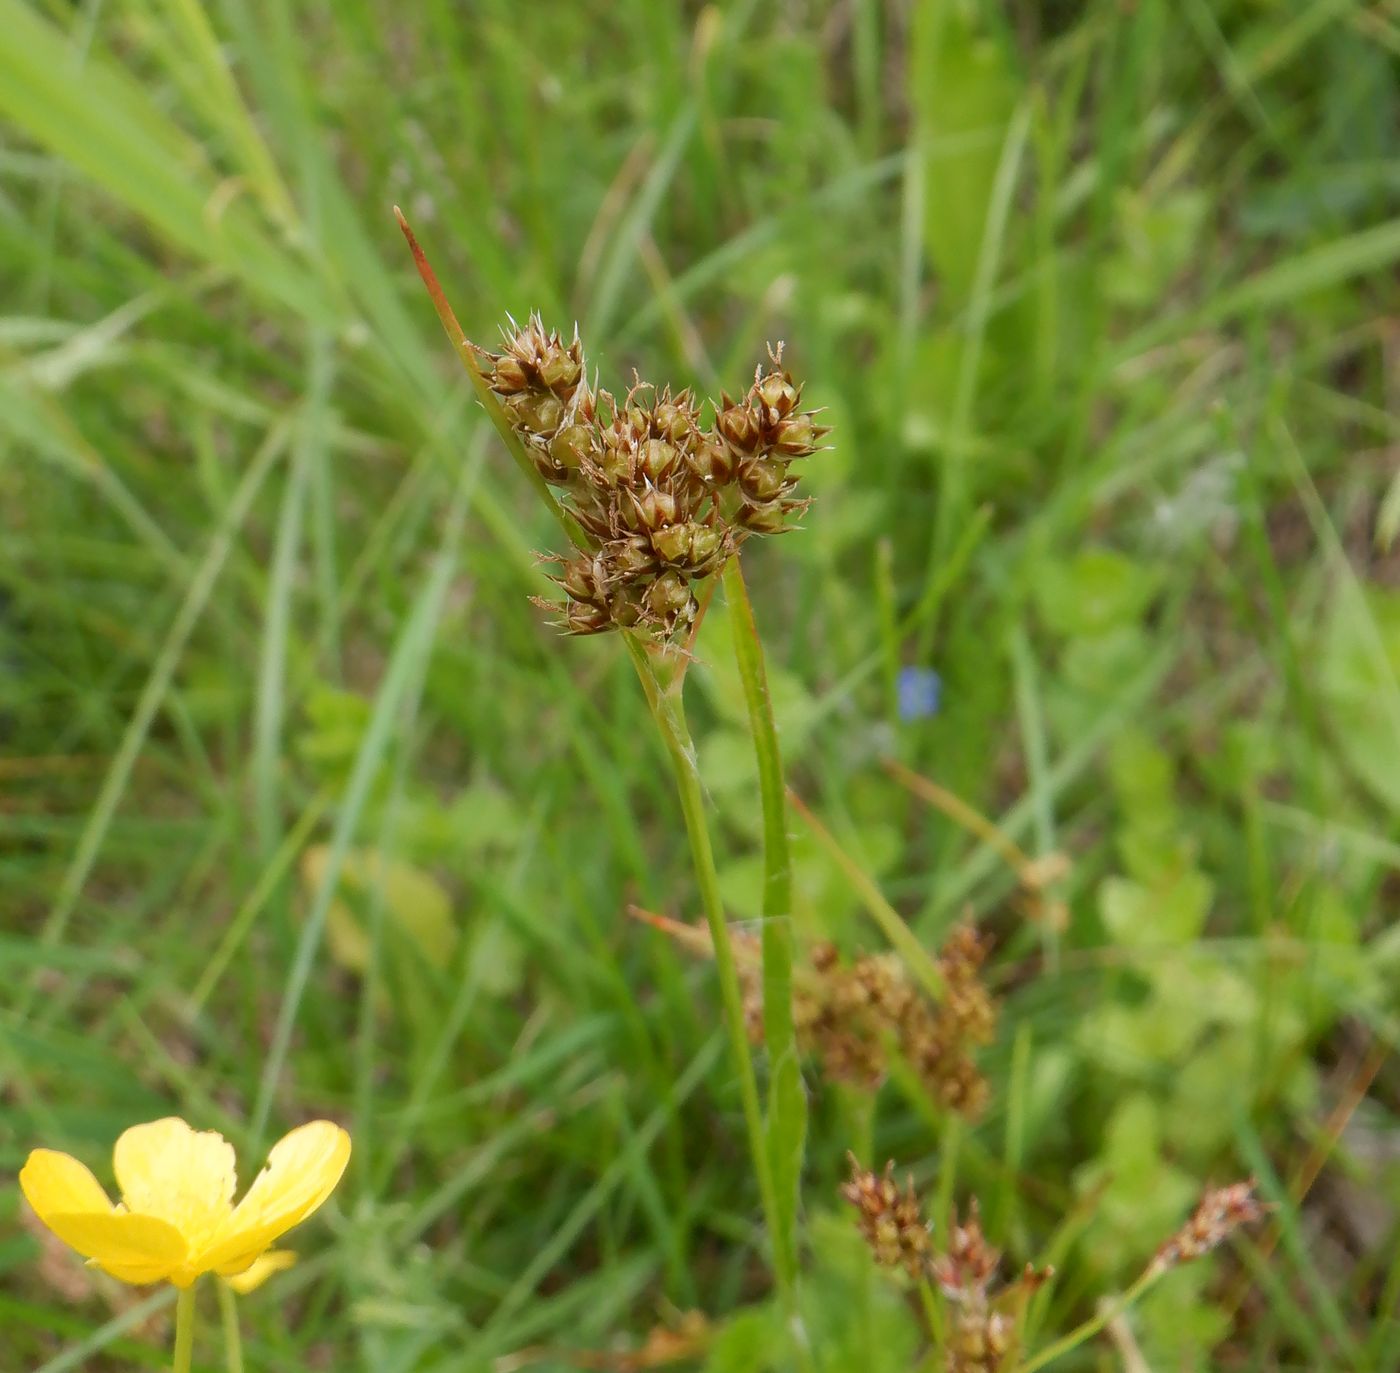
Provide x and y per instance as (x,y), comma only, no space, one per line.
(1108,1311)
(787,1104)
(184,1330)
(233,1341)
(933,1313)
(668,710)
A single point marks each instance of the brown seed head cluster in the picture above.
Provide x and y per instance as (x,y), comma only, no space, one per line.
(970,1263)
(847,1015)
(1221,1212)
(981,1337)
(663,498)
(891,1221)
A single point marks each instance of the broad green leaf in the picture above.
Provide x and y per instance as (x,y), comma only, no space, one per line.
(415,906)
(1099,590)
(1171,912)
(962,90)
(1357,679)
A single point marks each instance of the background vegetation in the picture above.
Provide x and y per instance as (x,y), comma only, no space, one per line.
(1101,299)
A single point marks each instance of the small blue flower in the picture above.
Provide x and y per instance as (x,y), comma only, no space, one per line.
(920,692)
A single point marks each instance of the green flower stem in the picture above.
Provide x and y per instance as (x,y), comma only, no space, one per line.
(184,1330)
(233,1341)
(787,1103)
(933,1313)
(669,713)
(1107,1312)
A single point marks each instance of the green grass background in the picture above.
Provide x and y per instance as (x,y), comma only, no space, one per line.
(1101,300)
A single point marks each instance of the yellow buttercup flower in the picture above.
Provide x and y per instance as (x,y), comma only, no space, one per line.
(177,1218)
(274,1261)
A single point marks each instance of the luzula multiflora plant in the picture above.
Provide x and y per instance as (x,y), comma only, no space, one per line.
(850,1016)
(975,1320)
(657,496)
(978,1325)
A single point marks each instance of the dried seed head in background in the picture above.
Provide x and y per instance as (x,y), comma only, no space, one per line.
(970,1263)
(1221,1212)
(981,1337)
(663,499)
(890,1221)
(848,1015)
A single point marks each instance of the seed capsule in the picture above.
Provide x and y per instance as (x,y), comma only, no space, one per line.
(586,619)
(653,509)
(536,412)
(628,559)
(560,370)
(777,393)
(615,462)
(690,545)
(669,421)
(763,479)
(797,436)
(508,375)
(657,459)
(767,517)
(571,446)
(626,609)
(713,463)
(668,595)
(584,581)
(738,425)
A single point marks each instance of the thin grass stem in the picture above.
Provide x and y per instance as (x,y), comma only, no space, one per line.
(1108,1311)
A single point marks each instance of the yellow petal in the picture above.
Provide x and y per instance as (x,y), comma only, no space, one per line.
(55,1183)
(137,1249)
(302,1171)
(263,1267)
(177,1174)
